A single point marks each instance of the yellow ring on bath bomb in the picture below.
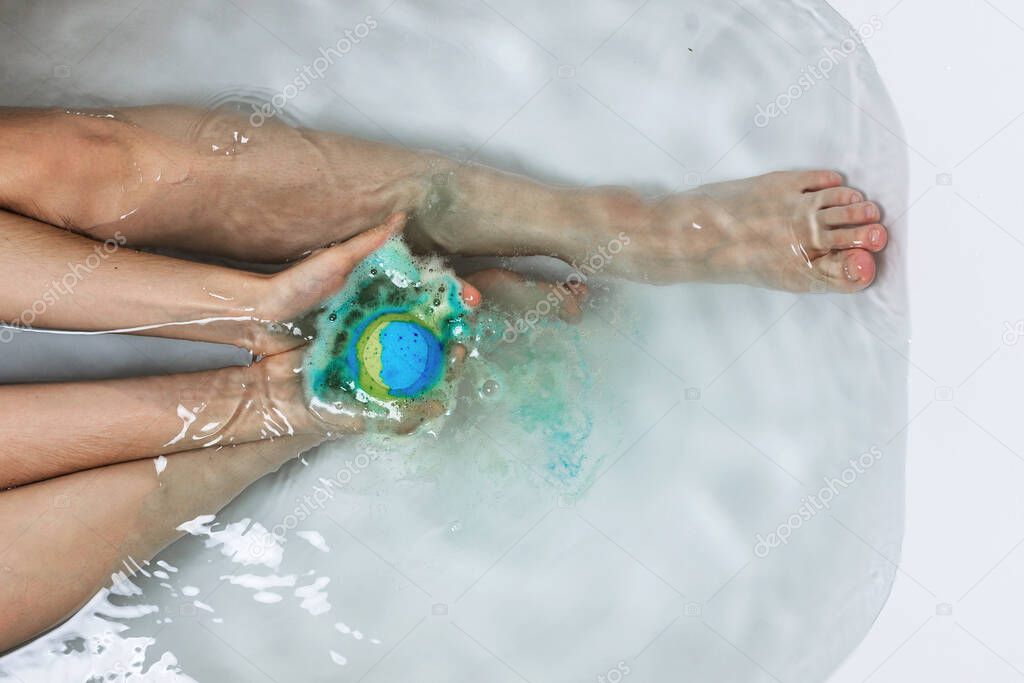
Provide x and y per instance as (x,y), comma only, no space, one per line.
(369,353)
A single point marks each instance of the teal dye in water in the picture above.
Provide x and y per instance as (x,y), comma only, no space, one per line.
(383,340)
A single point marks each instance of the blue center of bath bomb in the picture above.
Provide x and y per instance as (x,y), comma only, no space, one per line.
(410,357)
(396,356)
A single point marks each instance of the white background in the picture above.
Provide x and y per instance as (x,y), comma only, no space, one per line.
(954,70)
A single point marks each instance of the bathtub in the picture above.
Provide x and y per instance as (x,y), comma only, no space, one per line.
(695,548)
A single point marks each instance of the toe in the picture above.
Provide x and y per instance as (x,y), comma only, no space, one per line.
(871,237)
(456,360)
(470,295)
(854,214)
(847,271)
(492,282)
(519,294)
(571,296)
(812,181)
(835,196)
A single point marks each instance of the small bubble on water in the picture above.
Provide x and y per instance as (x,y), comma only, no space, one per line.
(490,389)
(455,527)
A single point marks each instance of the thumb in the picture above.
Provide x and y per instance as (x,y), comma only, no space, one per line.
(324,271)
(357,248)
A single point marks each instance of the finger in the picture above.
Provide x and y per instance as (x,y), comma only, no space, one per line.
(324,271)
(357,248)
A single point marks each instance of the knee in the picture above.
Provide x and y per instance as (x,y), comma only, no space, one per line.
(101,172)
(82,172)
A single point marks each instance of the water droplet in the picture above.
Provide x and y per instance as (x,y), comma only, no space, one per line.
(490,389)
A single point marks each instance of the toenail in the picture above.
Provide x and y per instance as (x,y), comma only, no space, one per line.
(856,198)
(875,236)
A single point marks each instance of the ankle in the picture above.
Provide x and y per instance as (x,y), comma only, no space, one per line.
(429,197)
(653,239)
(606,221)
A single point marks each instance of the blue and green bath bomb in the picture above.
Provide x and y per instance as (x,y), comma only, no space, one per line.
(394,355)
(383,339)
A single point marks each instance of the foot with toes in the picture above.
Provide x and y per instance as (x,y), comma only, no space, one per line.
(794,231)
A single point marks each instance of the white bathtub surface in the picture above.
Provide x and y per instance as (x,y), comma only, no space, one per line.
(717,409)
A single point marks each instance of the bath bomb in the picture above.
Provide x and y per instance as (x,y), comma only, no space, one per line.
(394,355)
(383,339)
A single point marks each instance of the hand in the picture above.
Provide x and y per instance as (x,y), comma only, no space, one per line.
(283,407)
(288,303)
(282,301)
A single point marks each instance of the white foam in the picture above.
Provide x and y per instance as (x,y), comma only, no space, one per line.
(315,539)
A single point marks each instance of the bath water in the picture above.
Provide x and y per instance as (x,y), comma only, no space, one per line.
(599,493)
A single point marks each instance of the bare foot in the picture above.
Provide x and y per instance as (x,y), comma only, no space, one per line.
(794,231)
(517,294)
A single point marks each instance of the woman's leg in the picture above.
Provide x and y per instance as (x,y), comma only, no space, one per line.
(62,539)
(209,182)
(116,516)
(61,428)
(212,182)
